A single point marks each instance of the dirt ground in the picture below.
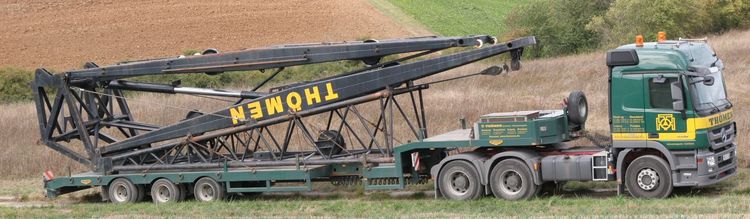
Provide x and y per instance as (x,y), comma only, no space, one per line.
(62,35)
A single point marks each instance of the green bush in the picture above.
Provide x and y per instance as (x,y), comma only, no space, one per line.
(627,18)
(14,84)
(566,27)
(728,14)
(559,25)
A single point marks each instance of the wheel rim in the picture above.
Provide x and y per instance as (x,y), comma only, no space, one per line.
(206,192)
(648,179)
(162,194)
(458,183)
(511,182)
(582,108)
(121,193)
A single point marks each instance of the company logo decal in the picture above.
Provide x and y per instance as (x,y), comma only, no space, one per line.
(665,122)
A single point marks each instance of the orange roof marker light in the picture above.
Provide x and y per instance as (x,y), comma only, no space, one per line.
(662,36)
(639,41)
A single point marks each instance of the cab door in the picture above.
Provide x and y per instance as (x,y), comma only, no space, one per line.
(627,108)
(663,123)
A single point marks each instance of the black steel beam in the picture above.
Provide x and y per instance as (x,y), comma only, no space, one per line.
(273,57)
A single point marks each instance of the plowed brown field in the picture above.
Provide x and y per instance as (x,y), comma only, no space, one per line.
(62,35)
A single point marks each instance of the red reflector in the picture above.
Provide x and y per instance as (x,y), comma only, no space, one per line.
(699,160)
(48,175)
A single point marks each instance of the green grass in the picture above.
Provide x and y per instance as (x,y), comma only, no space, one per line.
(729,198)
(416,207)
(460,17)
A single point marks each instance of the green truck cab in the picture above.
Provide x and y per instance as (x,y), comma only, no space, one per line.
(668,99)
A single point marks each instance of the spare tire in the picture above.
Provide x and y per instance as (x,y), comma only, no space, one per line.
(330,142)
(578,108)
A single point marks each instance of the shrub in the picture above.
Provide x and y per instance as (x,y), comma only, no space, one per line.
(627,18)
(728,14)
(559,25)
(565,27)
(14,84)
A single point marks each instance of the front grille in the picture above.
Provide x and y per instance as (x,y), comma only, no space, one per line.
(722,136)
(725,163)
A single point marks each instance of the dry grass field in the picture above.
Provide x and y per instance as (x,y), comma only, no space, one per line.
(540,84)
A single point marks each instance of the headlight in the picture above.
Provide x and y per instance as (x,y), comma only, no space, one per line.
(711,161)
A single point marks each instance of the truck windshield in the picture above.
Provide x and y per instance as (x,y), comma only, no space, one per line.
(709,99)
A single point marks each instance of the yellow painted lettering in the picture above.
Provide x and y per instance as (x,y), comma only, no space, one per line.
(313,96)
(255,110)
(274,105)
(237,114)
(331,94)
(294,101)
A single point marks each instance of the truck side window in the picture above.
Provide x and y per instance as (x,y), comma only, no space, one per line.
(660,93)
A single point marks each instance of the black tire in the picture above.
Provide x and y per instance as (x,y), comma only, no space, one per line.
(511,180)
(207,189)
(164,191)
(183,191)
(122,191)
(141,193)
(578,108)
(459,180)
(649,177)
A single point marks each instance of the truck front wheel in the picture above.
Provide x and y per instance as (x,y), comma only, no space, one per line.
(459,180)
(648,177)
(511,180)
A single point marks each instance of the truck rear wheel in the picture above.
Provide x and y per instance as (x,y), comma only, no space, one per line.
(164,191)
(648,177)
(207,189)
(124,191)
(459,180)
(511,180)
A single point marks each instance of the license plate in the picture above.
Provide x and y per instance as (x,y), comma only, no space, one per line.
(726,156)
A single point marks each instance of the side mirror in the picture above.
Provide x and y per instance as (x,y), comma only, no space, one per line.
(708,80)
(678,103)
(701,70)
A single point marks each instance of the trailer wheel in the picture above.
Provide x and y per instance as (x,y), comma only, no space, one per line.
(207,189)
(141,190)
(511,180)
(122,190)
(460,181)
(183,191)
(578,108)
(164,191)
(648,177)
